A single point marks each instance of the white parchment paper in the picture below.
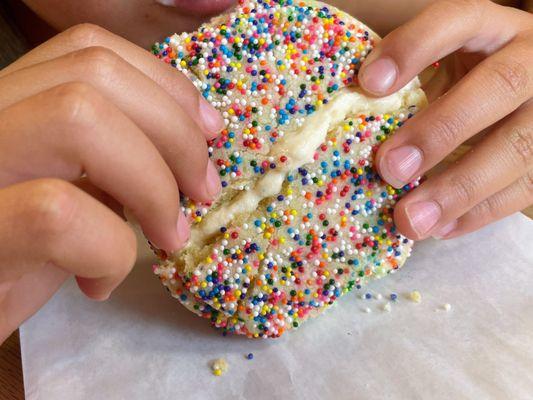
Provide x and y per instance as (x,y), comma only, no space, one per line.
(142,344)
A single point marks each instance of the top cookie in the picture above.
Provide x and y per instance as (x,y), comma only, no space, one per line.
(303,217)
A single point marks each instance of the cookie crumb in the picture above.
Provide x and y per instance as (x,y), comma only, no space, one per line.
(367,310)
(415,296)
(219,367)
(447,307)
(387,307)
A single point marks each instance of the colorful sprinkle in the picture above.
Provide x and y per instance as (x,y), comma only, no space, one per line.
(267,67)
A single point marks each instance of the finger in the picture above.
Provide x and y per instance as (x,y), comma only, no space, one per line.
(514,198)
(176,84)
(51,222)
(174,133)
(500,159)
(442,28)
(503,82)
(54,134)
(103,197)
(27,295)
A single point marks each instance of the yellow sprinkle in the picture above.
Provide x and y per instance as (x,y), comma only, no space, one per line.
(203,284)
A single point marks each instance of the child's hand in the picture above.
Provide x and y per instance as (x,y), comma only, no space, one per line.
(89,119)
(491,64)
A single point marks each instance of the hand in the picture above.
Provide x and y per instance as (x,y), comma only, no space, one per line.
(90,123)
(490,58)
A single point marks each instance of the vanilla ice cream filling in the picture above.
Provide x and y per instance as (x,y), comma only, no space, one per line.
(299,147)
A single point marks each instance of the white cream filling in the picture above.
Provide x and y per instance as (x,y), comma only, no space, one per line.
(299,148)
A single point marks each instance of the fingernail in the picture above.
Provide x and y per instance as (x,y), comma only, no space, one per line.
(445,230)
(184,230)
(379,76)
(102,297)
(212,119)
(423,216)
(213,180)
(401,165)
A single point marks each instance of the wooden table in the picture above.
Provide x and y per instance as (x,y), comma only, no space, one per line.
(11,384)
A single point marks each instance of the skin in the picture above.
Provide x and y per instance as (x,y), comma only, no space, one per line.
(91,123)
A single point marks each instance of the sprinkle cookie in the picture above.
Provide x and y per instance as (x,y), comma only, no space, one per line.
(303,217)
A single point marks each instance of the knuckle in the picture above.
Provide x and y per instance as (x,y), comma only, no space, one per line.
(474,8)
(86,35)
(526,184)
(97,62)
(464,189)
(444,132)
(521,143)
(488,210)
(76,104)
(511,76)
(51,207)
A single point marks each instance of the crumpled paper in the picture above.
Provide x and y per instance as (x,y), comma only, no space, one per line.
(143,344)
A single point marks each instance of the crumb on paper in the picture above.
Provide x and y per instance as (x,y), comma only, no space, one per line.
(415,296)
(447,307)
(387,307)
(379,296)
(367,310)
(219,367)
